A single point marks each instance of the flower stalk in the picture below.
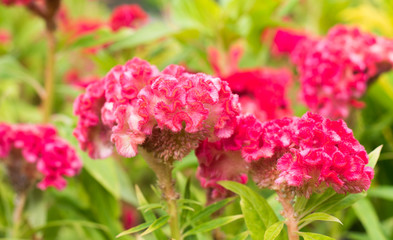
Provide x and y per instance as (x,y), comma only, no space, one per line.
(163,170)
(20,202)
(289,213)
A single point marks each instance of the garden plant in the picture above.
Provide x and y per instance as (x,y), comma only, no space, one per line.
(196,119)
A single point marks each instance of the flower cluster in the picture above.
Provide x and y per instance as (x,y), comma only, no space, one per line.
(145,107)
(93,135)
(262,91)
(5,37)
(335,70)
(33,152)
(307,155)
(128,16)
(222,160)
(16,2)
(286,40)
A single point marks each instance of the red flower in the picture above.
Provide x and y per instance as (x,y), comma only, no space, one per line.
(335,70)
(262,91)
(128,16)
(286,40)
(148,108)
(16,2)
(222,160)
(92,133)
(33,152)
(308,154)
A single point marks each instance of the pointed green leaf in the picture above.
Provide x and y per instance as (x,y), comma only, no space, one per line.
(135,229)
(257,212)
(317,216)
(213,224)
(314,236)
(241,236)
(273,231)
(368,217)
(157,224)
(149,215)
(252,219)
(148,207)
(373,156)
(208,211)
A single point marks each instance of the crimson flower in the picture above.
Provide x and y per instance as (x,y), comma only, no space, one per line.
(32,152)
(128,16)
(336,70)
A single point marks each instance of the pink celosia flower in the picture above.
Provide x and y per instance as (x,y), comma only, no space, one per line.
(222,160)
(32,152)
(286,40)
(149,108)
(74,78)
(92,133)
(128,16)
(16,2)
(335,70)
(308,154)
(5,37)
(262,91)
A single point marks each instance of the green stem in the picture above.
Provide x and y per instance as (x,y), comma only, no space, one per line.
(17,214)
(163,170)
(49,75)
(289,213)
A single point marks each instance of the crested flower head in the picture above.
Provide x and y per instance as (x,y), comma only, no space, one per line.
(336,70)
(32,152)
(262,91)
(149,108)
(128,16)
(92,133)
(308,154)
(222,160)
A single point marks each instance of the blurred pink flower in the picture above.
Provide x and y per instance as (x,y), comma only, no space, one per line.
(307,155)
(93,134)
(5,37)
(32,152)
(73,77)
(128,16)
(336,70)
(16,2)
(262,91)
(286,40)
(222,160)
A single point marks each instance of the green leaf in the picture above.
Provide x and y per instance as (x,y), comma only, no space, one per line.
(143,35)
(148,207)
(213,224)
(317,216)
(385,192)
(273,231)
(373,156)
(257,212)
(314,236)
(241,236)
(135,229)
(104,171)
(208,211)
(148,215)
(368,217)
(157,224)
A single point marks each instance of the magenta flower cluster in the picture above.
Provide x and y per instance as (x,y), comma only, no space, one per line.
(137,105)
(32,152)
(303,155)
(335,70)
(262,91)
